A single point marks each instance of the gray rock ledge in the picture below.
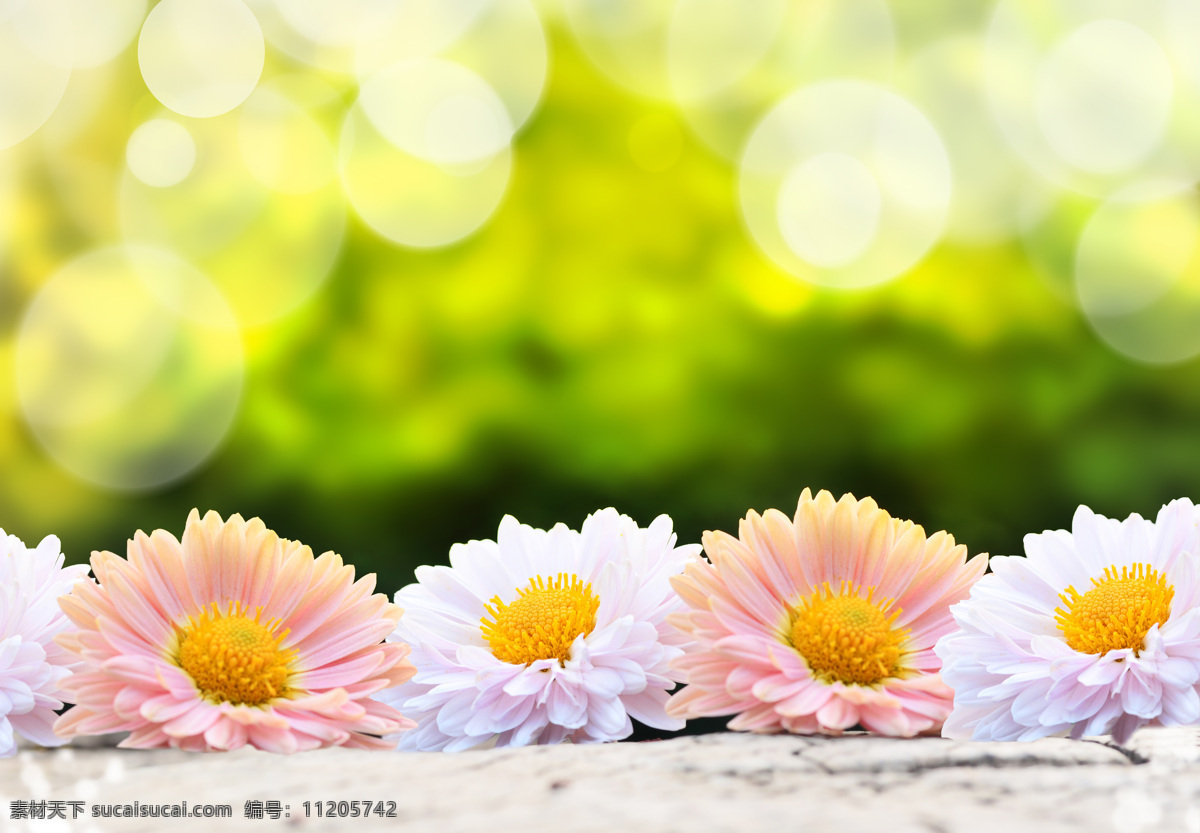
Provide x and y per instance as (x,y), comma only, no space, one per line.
(723,782)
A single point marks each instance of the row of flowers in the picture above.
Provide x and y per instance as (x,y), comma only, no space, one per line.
(841,616)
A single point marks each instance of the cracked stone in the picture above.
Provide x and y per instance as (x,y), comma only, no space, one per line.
(706,784)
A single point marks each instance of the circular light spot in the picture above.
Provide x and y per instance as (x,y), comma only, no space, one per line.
(267,251)
(129,368)
(501,41)
(829,209)
(1181,19)
(728,90)
(284,38)
(1096,98)
(655,142)
(283,145)
(845,184)
(201,58)
(8,205)
(1137,276)
(161,153)
(437,110)
(415,29)
(626,40)
(712,44)
(1104,97)
(30,85)
(411,201)
(83,33)
(992,187)
(336,24)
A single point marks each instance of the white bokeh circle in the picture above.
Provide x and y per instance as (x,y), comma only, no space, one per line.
(828,211)
(1097,97)
(267,250)
(129,367)
(332,23)
(501,42)
(1104,96)
(626,40)
(161,152)
(993,188)
(284,38)
(1137,276)
(415,29)
(31,86)
(845,184)
(283,144)
(437,110)
(201,58)
(82,33)
(712,44)
(724,89)
(8,204)
(412,201)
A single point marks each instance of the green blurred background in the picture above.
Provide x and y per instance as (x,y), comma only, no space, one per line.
(611,336)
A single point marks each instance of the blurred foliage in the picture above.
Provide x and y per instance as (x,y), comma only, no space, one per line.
(612,337)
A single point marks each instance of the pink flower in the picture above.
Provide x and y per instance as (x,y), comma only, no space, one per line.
(233,637)
(821,623)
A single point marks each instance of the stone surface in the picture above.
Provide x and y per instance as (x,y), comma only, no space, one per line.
(722,782)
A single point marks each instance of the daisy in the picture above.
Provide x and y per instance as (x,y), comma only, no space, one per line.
(1096,632)
(821,623)
(32,666)
(233,637)
(540,637)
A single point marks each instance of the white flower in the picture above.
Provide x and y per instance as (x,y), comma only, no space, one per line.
(1097,631)
(540,637)
(31,664)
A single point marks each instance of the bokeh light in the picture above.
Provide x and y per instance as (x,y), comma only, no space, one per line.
(284,145)
(993,190)
(502,42)
(83,33)
(1095,98)
(626,39)
(201,58)
(845,184)
(333,24)
(1138,276)
(161,153)
(814,41)
(473,257)
(121,339)
(437,110)
(412,201)
(30,85)
(712,44)
(268,250)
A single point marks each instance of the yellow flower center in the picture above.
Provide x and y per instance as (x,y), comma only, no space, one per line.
(1118,610)
(846,638)
(234,658)
(542,622)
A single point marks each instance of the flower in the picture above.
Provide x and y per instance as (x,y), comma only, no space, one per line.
(1096,631)
(539,636)
(821,623)
(32,666)
(233,637)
